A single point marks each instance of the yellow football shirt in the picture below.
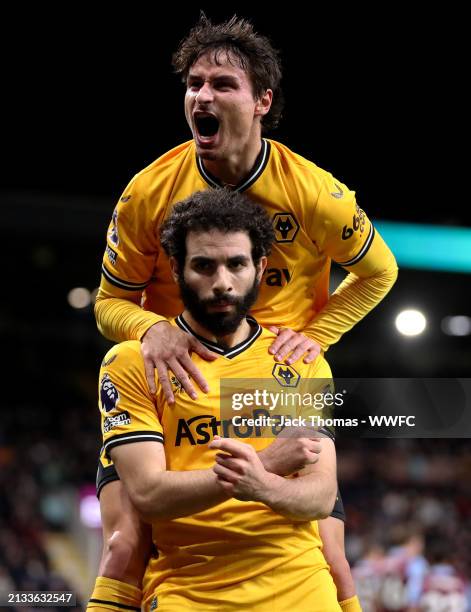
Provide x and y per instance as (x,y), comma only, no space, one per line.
(315,218)
(237,555)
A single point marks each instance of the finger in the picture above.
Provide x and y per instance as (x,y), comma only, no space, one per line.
(229,462)
(225,474)
(283,336)
(202,351)
(150,374)
(234,447)
(194,372)
(162,373)
(288,346)
(227,487)
(274,329)
(223,456)
(183,377)
(298,351)
(313,353)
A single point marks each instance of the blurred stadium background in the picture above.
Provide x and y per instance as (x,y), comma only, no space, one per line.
(92,107)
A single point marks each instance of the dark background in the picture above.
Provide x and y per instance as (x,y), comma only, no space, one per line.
(90,99)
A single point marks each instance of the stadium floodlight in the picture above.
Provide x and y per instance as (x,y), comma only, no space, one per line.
(90,511)
(79,297)
(410,322)
(457,326)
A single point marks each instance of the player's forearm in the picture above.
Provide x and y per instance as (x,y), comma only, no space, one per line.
(369,281)
(342,575)
(306,498)
(353,299)
(177,494)
(120,319)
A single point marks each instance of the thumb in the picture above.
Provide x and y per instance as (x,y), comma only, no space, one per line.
(274,329)
(215,439)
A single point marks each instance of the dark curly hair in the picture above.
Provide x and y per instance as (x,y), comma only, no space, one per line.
(253,52)
(221,209)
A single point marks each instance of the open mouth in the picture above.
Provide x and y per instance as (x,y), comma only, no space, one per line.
(207,125)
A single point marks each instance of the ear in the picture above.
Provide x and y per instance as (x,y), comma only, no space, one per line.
(174,268)
(262,264)
(264,103)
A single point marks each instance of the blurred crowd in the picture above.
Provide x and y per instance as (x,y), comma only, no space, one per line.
(44,456)
(408,522)
(408,502)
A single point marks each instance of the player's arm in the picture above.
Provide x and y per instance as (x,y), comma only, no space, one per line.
(160,494)
(128,266)
(310,496)
(133,437)
(344,232)
(332,533)
(366,285)
(119,315)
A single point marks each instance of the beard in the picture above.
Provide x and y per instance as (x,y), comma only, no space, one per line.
(218,323)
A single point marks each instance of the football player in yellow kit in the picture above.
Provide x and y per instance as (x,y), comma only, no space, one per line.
(230,533)
(232,78)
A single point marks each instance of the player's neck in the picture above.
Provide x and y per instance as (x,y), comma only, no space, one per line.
(233,169)
(227,341)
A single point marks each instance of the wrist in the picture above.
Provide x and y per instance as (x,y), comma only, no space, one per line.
(151,329)
(271,492)
(265,457)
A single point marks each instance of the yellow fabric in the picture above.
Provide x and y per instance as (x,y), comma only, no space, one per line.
(123,313)
(361,290)
(316,220)
(237,551)
(351,605)
(110,594)
(283,589)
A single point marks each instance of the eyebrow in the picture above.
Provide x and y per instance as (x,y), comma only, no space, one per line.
(192,76)
(233,259)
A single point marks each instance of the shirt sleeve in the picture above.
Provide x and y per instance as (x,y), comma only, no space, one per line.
(129,413)
(132,241)
(119,315)
(128,264)
(344,233)
(340,228)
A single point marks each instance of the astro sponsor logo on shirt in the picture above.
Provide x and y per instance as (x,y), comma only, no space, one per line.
(202,428)
(117,420)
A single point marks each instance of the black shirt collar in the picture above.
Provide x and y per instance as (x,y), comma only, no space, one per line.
(257,169)
(231,352)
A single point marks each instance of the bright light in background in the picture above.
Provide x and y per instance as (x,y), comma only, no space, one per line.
(457,326)
(79,297)
(90,511)
(410,322)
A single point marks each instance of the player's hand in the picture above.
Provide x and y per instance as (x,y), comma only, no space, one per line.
(164,348)
(296,343)
(239,470)
(287,455)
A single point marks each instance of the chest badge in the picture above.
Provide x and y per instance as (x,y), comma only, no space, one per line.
(285,227)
